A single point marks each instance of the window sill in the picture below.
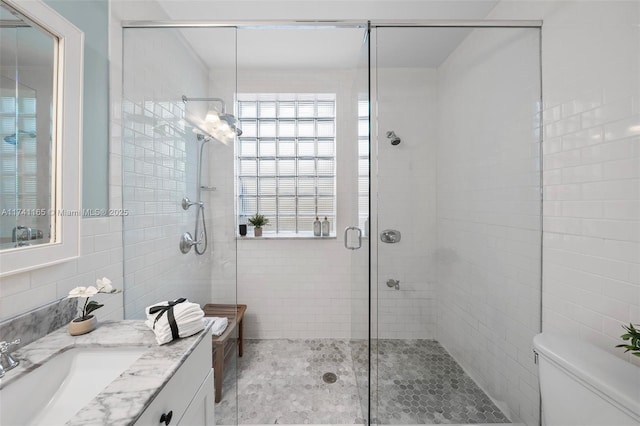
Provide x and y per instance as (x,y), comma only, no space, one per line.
(285,236)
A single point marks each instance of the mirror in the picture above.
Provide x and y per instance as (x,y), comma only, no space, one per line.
(27,81)
(40,128)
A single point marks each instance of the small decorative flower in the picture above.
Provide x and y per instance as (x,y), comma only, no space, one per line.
(103,285)
(83,292)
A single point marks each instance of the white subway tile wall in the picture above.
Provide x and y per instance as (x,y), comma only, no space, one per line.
(489,205)
(101,255)
(159,166)
(591,257)
(222,227)
(405,200)
(592,170)
(295,289)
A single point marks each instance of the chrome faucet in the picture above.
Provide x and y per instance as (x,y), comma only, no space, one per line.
(7,362)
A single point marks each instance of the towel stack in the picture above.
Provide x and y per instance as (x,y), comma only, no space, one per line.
(171,320)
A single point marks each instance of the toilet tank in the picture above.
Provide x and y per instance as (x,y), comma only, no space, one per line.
(584,385)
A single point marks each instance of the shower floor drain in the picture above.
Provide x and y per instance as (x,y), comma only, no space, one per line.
(329,377)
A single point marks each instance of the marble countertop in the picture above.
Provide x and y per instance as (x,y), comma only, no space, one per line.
(125,399)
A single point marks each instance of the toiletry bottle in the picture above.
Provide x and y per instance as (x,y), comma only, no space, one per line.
(316,227)
(326,227)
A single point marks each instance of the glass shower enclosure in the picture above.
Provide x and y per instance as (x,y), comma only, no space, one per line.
(421,304)
(457,299)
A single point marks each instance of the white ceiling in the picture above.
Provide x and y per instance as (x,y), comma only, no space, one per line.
(416,47)
(328,47)
(325,48)
(291,48)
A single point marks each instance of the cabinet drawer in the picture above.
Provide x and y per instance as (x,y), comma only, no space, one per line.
(176,395)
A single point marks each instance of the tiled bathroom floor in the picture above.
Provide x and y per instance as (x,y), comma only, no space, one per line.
(280,382)
(418,382)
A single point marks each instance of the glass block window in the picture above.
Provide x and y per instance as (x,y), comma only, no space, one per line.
(286,161)
(18,160)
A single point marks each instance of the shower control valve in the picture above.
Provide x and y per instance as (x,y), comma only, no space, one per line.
(187,241)
(391,283)
(390,236)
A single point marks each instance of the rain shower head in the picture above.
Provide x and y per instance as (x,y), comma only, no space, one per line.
(217,124)
(230,121)
(395,140)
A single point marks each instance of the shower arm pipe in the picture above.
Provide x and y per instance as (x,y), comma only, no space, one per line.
(186,99)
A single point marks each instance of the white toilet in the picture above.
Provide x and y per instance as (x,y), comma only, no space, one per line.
(584,385)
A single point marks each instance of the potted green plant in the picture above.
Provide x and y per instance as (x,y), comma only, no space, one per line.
(632,337)
(258,221)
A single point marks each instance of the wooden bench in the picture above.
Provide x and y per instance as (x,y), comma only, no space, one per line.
(224,345)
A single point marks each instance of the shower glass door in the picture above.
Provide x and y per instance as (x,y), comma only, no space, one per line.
(456,275)
(302,100)
(164,161)
(357,240)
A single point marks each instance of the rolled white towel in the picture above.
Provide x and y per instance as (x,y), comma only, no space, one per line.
(185,330)
(163,324)
(181,311)
(188,317)
(219,325)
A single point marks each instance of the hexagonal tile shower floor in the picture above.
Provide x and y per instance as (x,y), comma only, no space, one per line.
(418,382)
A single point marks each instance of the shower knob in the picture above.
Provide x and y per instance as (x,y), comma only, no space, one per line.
(187,241)
(390,236)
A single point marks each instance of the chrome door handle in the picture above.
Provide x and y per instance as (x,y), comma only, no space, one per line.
(346,235)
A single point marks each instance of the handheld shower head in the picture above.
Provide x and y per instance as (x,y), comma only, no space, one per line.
(395,140)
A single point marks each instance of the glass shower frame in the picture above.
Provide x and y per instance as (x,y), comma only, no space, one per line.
(372,263)
(382,260)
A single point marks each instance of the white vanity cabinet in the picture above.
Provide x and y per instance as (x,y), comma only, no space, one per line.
(200,411)
(188,398)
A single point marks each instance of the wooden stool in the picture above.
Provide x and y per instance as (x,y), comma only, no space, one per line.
(223,346)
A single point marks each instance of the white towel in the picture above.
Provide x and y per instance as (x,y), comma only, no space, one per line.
(219,325)
(185,330)
(182,315)
(188,318)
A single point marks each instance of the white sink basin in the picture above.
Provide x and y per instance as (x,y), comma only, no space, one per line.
(62,386)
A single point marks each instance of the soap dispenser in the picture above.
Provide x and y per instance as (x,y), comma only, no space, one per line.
(316,227)
(326,227)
